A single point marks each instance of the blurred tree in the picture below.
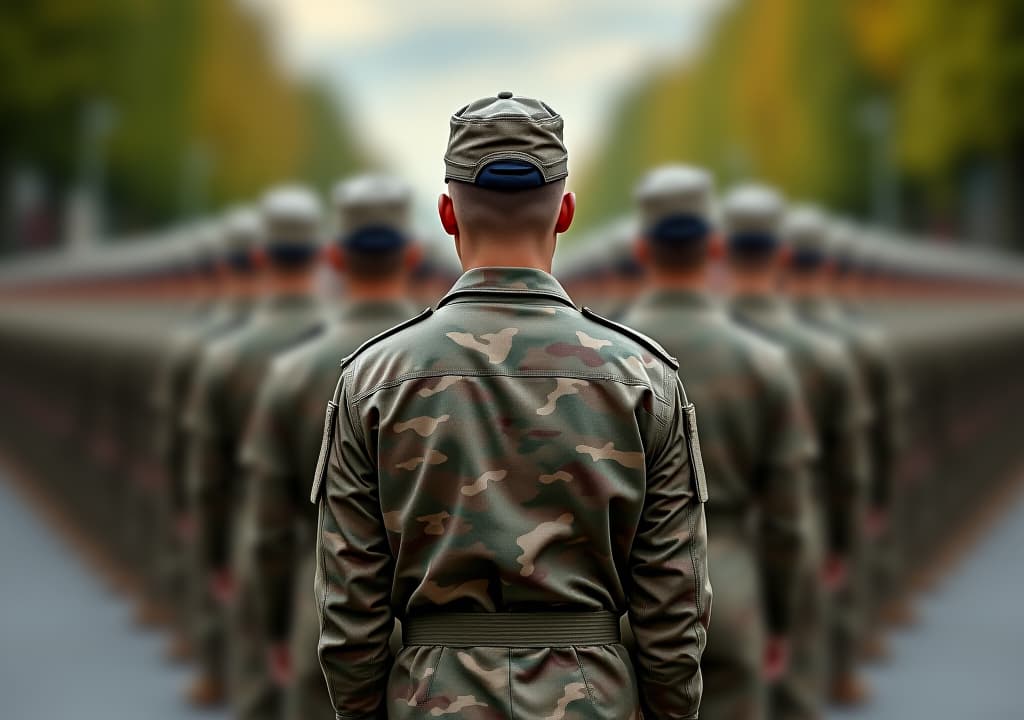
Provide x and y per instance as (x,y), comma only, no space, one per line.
(203,112)
(799,93)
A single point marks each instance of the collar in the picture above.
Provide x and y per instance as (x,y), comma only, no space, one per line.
(288,303)
(678,298)
(508,282)
(360,310)
(758,302)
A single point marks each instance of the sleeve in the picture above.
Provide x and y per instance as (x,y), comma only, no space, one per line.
(354,571)
(670,594)
(784,495)
(889,391)
(845,460)
(270,510)
(208,466)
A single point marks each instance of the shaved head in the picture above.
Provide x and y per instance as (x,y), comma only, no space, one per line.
(496,214)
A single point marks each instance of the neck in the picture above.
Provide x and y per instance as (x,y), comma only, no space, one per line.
(510,251)
(694,279)
(805,284)
(753,281)
(297,282)
(359,289)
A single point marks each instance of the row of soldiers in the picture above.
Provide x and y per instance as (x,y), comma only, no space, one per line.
(854,398)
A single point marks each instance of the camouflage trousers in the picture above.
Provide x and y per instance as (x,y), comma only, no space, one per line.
(800,693)
(734,687)
(492,683)
(307,698)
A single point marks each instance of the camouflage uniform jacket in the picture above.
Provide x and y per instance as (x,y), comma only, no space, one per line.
(838,408)
(280,451)
(223,391)
(756,437)
(886,391)
(510,454)
(174,378)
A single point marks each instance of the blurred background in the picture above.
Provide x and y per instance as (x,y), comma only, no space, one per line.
(125,122)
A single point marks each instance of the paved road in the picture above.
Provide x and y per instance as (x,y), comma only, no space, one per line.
(67,646)
(68,649)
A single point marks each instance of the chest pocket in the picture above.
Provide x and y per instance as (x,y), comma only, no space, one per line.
(324,458)
(696,460)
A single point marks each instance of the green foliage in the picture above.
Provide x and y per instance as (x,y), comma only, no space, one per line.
(202,113)
(780,90)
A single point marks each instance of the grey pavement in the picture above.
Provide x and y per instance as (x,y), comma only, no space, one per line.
(965,657)
(68,648)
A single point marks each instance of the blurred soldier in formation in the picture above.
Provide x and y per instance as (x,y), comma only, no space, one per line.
(235,238)
(507,476)
(375,255)
(755,437)
(889,391)
(752,216)
(226,382)
(808,271)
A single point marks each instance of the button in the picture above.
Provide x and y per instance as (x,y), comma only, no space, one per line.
(504,95)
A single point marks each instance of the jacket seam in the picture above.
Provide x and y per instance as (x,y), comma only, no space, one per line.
(423,374)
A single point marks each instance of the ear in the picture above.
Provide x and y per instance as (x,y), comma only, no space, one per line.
(716,247)
(413,256)
(566,213)
(335,257)
(260,261)
(446,211)
(642,251)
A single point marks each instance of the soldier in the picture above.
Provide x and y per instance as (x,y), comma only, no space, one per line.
(507,475)
(813,245)
(374,254)
(227,379)
(240,232)
(756,442)
(752,216)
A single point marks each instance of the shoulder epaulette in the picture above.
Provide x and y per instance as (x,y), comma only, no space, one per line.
(647,342)
(387,333)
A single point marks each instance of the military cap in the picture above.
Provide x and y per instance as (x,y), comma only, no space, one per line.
(207,248)
(373,213)
(291,214)
(805,229)
(506,143)
(242,232)
(674,203)
(752,215)
(845,244)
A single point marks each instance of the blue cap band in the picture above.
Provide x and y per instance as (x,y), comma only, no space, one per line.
(374,239)
(807,259)
(509,175)
(240,261)
(290,255)
(753,242)
(677,229)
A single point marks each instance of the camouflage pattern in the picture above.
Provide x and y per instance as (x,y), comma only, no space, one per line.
(279,454)
(174,374)
(508,454)
(221,397)
(839,411)
(886,396)
(757,445)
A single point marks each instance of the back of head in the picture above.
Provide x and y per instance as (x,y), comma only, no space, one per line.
(506,166)
(373,213)
(242,233)
(805,230)
(291,216)
(752,216)
(674,205)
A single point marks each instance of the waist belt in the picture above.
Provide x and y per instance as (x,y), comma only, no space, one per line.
(525,629)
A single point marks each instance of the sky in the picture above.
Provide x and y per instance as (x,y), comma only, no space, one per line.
(403,67)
